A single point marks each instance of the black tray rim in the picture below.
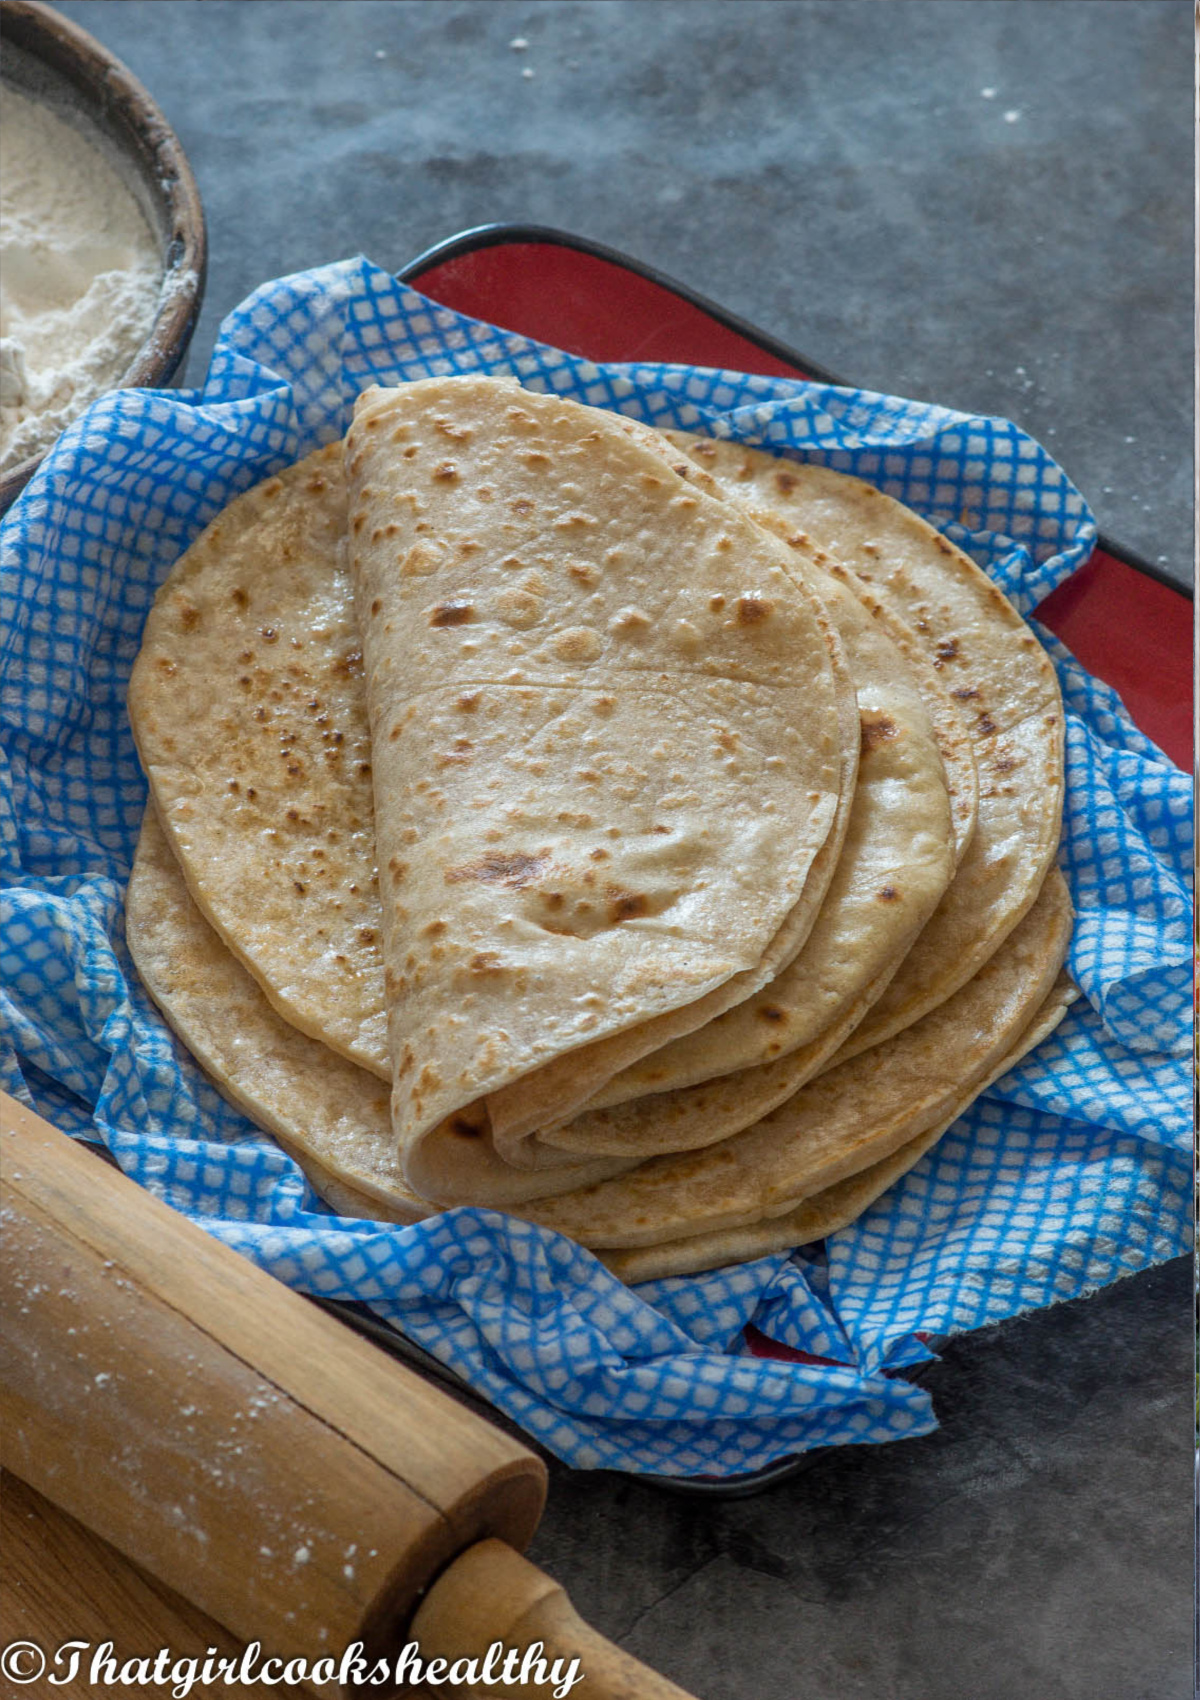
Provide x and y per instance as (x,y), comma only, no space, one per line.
(505,234)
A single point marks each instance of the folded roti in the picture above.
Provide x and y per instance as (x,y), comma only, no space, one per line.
(322,1108)
(549,1097)
(247,704)
(329,1114)
(994,668)
(850,1117)
(836,1206)
(333,1117)
(604,713)
(813,999)
(897,862)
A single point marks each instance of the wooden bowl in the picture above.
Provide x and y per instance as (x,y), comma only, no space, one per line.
(53,60)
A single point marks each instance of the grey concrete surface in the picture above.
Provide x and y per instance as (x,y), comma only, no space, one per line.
(987,203)
(1036,1547)
(839,174)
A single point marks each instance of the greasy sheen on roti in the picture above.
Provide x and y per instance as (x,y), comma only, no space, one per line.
(994,668)
(605,741)
(836,1206)
(247,705)
(848,1118)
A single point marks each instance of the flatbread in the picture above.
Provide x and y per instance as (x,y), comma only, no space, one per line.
(332,1117)
(247,705)
(836,1206)
(897,862)
(994,667)
(549,1097)
(845,1120)
(322,1109)
(619,774)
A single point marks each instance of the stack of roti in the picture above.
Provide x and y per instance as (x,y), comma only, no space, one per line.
(639,833)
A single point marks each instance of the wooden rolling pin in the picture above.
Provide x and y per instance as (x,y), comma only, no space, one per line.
(294,1482)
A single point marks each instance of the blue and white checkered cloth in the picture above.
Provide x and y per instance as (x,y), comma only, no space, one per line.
(1072,1171)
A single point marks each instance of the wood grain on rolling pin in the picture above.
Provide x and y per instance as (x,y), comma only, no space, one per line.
(61,1583)
(296,1484)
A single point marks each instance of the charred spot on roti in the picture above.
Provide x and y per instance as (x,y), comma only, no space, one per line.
(986,725)
(786,482)
(452,614)
(946,650)
(876,729)
(627,905)
(888,894)
(446,472)
(965,693)
(770,1012)
(516,870)
(752,610)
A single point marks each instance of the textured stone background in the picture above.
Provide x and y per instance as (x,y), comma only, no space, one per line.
(830,169)
(835,173)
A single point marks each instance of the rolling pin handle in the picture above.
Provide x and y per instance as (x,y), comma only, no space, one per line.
(491,1594)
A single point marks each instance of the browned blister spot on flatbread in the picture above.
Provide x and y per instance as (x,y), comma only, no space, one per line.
(516,870)
(876,730)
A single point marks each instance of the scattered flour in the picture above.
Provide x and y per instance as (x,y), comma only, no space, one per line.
(80,276)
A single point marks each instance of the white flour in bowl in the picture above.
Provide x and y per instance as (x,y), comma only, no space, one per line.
(80,275)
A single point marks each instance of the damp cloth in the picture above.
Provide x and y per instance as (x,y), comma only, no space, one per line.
(1071,1171)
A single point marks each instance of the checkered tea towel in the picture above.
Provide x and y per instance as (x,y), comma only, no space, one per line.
(1071,1171)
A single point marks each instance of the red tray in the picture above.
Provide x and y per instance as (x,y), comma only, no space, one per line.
(1118,614)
